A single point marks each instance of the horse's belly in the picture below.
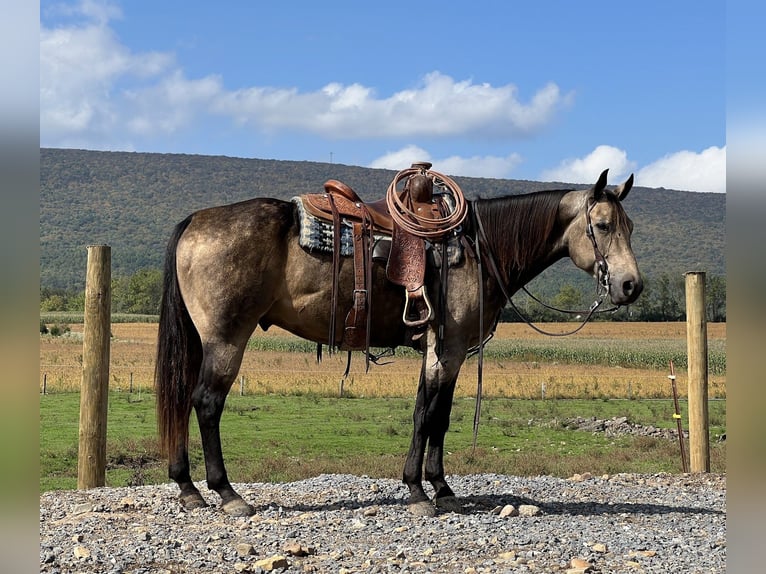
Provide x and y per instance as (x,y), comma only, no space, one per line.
(308,316)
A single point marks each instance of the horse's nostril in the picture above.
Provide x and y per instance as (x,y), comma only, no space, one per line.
(631,288)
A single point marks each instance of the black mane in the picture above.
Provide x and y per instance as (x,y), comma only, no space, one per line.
(519,227)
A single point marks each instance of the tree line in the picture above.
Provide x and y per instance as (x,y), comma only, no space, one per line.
(663,299)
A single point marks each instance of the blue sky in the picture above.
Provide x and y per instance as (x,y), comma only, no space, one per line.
(541,90)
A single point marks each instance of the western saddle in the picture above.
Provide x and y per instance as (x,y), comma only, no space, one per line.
(409,216)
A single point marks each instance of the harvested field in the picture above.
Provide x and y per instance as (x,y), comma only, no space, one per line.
(604,360)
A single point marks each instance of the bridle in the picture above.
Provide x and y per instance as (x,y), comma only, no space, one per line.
(602,290)
(602,272)
(602,277)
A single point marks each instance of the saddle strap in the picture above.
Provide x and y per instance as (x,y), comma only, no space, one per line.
(356,334)
(335,273)
(356,319)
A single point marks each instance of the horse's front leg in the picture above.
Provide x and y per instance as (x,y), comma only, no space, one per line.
(444,497)
(413,465)
(430,423)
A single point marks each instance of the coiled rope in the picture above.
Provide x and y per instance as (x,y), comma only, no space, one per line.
(432,228)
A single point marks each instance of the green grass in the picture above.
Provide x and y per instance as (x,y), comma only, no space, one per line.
(275,438)
(78,317)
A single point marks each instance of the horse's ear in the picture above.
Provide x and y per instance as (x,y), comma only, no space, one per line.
(621,191)
(598,189)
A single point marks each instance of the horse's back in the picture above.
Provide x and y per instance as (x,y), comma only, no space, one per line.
(247,217)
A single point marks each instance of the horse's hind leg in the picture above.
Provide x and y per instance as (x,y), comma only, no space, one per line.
(219,368)
(178,470)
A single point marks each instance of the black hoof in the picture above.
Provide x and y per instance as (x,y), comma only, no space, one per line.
(449,504)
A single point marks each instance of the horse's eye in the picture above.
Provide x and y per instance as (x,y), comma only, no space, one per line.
(603,227)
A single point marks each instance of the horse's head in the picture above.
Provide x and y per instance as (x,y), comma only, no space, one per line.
(598,238)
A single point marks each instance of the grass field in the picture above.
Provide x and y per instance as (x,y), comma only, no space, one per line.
(281,438)
(284,420)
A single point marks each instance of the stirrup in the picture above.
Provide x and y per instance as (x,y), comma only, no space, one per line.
(417,298)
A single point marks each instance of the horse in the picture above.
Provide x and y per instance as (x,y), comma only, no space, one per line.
(233,268)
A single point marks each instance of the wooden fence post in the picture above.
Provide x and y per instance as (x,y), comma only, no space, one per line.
(91,460)
(696,343)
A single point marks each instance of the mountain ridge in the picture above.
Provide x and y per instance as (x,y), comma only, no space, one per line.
(132,200)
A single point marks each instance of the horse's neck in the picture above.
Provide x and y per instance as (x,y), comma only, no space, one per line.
(516,275)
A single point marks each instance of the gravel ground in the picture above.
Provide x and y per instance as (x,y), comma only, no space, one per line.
(341,523)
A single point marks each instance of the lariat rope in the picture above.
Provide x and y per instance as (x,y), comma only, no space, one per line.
(423,226)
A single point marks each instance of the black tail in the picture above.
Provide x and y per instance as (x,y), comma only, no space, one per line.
(179,356)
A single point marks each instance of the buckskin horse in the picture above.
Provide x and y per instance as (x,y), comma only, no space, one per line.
(232,268)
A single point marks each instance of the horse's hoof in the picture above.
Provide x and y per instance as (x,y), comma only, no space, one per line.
(449,504)
(422,508)
(237,507)
(192,501)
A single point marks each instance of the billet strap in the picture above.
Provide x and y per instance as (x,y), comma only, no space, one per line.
(369,245)
(357,315)
(335,272)
(444,276)
(357,331)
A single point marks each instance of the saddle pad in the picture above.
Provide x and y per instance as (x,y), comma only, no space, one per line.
(317,235)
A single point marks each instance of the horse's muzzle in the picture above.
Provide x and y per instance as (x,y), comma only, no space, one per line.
(625,289)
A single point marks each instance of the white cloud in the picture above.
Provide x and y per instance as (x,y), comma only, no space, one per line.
(99,11)
(402,158)
(588,168)
(80,67)
(92,87)
(97,93)
(476,166)
(437,108)
(683,170)
(171,104)
(687,170)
